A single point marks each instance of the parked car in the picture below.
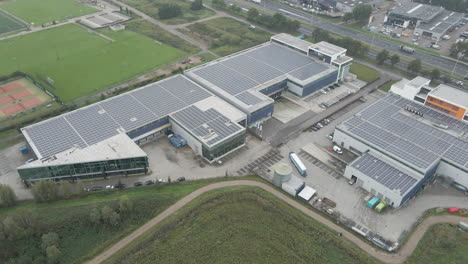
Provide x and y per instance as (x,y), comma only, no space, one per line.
(319,125)
(352,180)
(460,83)
(136,184)
(337,85)
(109,187)
(330,149)
(96,188)
(337,149)
(181,179)
(161,181)
(326,121)
(330,136)
(314,128)
(120,186)
(149,182)
(362,99)
(322,105)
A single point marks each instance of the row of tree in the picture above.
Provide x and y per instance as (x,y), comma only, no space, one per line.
(459,50)
(276,22)
(361,13)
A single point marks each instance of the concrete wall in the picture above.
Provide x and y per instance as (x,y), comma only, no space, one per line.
(452,172)
(295,89)
(259,115)
(191,140)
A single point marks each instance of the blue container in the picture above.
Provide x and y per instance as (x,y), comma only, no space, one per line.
(24,149)
(373,202)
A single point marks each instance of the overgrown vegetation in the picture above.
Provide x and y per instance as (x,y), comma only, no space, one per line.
(277,22)
(227,35)
(155,32)
(240,225)
(173,11)
(85,224)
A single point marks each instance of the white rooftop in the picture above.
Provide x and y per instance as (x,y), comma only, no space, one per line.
(328,48)
(293,41)
(307,193)
(117,147)
(451,94)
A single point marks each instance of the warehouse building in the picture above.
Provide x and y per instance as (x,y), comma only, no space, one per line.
(427,20)
(444,98)
(251,79)
(347,6)
(102,139)
(402,144)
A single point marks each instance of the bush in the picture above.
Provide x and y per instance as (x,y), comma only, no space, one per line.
(169,10)
(196,5)
(7,195)
(45,191)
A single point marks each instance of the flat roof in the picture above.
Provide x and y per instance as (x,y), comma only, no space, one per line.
(418,82)
(328,48)
(241,77)
(293,41)
(451,95)
(307,193)
(442,22)
(416,11)
(409,138)
(385,173)
(116,147)
(120,114)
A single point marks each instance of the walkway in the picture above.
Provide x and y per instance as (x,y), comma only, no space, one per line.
(399,257)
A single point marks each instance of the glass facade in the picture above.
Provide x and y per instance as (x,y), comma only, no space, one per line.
(224,147)
(86,170)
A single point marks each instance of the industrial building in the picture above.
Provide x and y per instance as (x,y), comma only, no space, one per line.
(102,139)
(401,144)
(427,20)
(251,79)
(444,98)
(347,6)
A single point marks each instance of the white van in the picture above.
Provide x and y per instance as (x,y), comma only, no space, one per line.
(337,149)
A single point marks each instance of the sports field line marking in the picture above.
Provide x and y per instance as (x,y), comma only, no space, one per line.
(398,257)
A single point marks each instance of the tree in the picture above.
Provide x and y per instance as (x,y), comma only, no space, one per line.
(445,79)
(435,74)
(7,195)
(12,231)
(103,96)
(65,189)
(125,204)
(347,17)
(394,59)
(415,66)
(362,12)
(196,5)
(49,239)
(45,191)
(53,254)
(79,188)
(252,14)
(169,10)
(382,56)
(219,3)
(95,216)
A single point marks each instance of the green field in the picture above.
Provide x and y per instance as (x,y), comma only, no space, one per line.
(150,7)
(386,87)
(240,225)
(442,244)
(79,239)
(363,72)
(227,35)
(38,12)
(82,63)
(9,24)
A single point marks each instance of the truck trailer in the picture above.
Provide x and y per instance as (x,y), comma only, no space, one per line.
(407,49)
(298,163)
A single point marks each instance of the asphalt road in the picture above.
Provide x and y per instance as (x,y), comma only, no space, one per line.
(304,17)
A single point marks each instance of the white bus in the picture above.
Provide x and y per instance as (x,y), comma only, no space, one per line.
(298,163)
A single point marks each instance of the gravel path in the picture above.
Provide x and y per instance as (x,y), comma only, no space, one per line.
(399,257)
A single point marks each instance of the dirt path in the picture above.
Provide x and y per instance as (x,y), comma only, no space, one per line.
(399,257)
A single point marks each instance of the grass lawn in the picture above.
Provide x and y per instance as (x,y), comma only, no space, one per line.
(227,35)
(46,11)
(363,72)
(9,23)
(155,32)
(82,63)
(79,240)
(386,87)
(442,244)
(240,225)
(150,7)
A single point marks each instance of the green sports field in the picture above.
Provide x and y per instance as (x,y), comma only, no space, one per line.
(44,11)
(82,63)
(9,24)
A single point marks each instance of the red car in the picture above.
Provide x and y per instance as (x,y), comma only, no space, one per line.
(330,149)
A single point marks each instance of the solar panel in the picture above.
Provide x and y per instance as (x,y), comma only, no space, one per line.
(184,89)
(281,58)
(158,100)
(253,68)
(248,98)
(308,71)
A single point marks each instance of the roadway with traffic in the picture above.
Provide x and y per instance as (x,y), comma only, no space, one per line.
(441,62)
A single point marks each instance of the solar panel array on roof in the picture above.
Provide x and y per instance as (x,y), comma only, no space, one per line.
(387,125)
(92,124)
(308,71)
(210,125)
(247,70)
(384,173)
(248,98)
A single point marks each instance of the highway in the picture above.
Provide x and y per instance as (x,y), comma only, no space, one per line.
(442,63)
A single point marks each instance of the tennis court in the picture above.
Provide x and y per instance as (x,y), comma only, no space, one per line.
(19,95)
(9,24)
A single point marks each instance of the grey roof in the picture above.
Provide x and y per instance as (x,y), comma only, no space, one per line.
(416,11)
(292,41)
(391,129)
(210,125)
(268,63)
(384,173)
(123,113)
(442,22)
(451,95)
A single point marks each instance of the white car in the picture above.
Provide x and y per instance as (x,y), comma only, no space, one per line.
(460,83)
(337,149)
(109,187)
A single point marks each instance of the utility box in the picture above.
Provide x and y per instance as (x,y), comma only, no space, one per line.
(24,149)
(177,140)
